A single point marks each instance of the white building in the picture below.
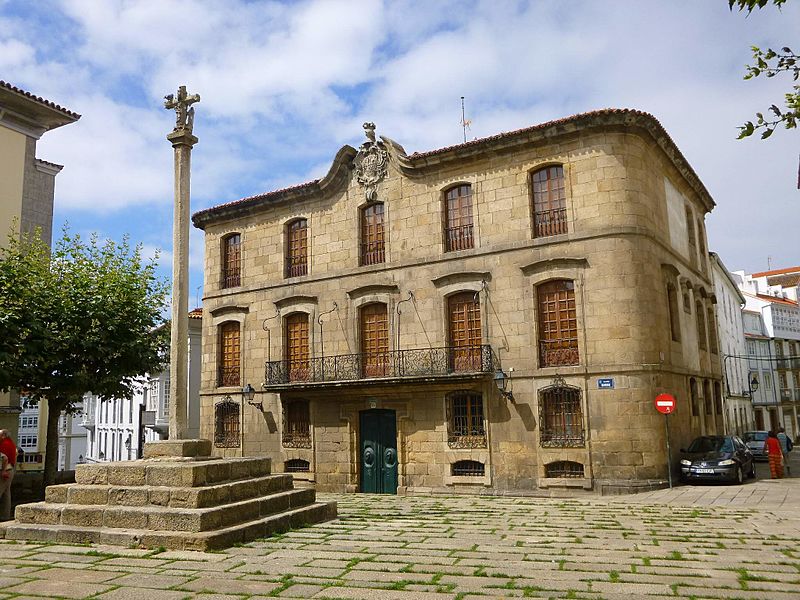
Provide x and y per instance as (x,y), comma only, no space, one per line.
(738,407)
(772,333)
(32,437)
(119,428)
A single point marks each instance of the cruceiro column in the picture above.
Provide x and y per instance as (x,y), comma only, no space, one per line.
(182,141)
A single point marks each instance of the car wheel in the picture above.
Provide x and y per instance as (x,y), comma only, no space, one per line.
(739,476)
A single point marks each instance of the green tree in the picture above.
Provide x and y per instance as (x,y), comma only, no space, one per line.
(770,63)
(83,318)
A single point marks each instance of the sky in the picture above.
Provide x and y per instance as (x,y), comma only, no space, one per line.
(284,85)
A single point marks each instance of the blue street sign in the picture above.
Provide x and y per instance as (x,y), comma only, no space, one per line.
(606,383)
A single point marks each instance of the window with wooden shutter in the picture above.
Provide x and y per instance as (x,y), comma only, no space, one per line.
(464,317)
(296,424)
(232,261)
(372,248)
(558,324)
(458,218)
(549,202)
(375,340)
(296,346)
(230,354)
(297,248)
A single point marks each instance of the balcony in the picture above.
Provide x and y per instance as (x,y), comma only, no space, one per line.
(467,362)
(783,363)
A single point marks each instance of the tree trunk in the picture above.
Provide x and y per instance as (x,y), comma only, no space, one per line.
(54,408)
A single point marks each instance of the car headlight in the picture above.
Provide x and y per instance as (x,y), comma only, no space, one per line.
(727,462)
(686,463)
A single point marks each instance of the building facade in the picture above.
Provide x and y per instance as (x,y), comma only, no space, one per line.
(738,405)
(27,184)
(494,316)
(772,332)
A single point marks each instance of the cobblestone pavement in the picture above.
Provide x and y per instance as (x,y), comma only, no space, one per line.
(684,543)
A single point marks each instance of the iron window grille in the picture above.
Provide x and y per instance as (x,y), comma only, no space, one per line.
(296,465)
(465,420)
(561,416)
(226,424)
(296,424)
(565,469)
(467,468)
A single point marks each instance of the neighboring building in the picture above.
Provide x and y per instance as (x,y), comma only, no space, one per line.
(119,428)
(738,406)
(493,316)
(32,437)
(26,183)
(772,331)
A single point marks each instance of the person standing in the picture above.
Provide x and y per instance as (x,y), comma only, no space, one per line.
(773,448)
(9,451)
(786,447)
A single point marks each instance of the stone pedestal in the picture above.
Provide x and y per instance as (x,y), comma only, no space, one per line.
(178,497)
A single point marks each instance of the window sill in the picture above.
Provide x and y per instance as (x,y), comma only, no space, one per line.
(565,482)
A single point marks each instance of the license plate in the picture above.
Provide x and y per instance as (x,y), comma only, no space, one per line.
(704,471)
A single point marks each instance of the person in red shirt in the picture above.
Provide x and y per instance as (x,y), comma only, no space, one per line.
(775,454)
(9,461)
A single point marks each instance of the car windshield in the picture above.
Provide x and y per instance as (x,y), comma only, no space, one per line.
(755,436)
(711,444)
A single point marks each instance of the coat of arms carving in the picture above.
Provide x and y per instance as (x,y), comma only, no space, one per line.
(370,163)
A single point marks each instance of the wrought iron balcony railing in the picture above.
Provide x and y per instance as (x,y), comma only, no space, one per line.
(420,362)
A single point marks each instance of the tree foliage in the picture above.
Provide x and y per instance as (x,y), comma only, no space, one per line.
(82,318)
(770,63)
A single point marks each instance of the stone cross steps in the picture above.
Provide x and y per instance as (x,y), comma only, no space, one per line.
(183,503)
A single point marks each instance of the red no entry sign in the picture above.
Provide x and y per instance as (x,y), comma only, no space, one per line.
(665,403)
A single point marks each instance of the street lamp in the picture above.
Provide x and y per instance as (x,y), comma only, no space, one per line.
(248,393)
(501,381)
(752,384)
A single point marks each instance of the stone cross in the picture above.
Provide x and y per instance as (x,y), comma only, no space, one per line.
(182,141)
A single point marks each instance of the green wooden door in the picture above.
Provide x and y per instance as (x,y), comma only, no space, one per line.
(378,452)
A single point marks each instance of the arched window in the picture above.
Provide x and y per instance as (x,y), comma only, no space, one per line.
(561,416)
(230,354)
(692,235)
(372,239)
(564,468)
(717,398)
(458,218)
(296,424)
(374,333)
(297,248)
(693,397)
(712,332)
(701,326)
(296,465)
(465,425)
(232,260)
(549,201)
(708,400)
(558,323)
(464,331)
(226,424)
(295,345)
(674,323)
(467,468)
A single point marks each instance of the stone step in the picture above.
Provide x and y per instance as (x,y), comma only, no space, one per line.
(158,518)
(179,540)
(172,472)
(173,497)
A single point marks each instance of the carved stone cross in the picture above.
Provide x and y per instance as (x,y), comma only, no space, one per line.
(184,116)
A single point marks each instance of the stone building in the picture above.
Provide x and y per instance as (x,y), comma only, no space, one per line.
(489,317)
(27,183)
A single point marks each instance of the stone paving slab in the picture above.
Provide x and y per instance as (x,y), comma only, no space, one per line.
(704,542)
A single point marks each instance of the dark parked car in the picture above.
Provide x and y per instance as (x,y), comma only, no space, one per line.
(755,441)
(717,458)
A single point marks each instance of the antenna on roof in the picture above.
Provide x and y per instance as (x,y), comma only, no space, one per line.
(464,122)
(769,263)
